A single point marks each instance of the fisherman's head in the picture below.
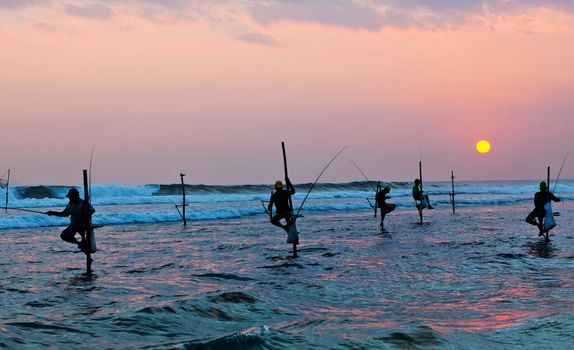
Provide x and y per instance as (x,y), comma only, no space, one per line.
(278,185)
(73,195)
(387,189)
(417,182)
(543,186)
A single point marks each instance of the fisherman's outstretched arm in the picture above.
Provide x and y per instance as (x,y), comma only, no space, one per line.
(57,213)
(64,213)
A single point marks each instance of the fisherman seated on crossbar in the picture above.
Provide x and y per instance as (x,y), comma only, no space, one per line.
(540,199)
(421,197)
(78,211)
(280,198)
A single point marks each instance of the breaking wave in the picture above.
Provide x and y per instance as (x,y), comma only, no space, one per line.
(122,204)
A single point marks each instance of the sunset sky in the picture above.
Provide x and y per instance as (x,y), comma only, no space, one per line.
(211,88)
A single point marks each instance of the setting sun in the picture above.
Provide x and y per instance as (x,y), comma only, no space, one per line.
(483,146)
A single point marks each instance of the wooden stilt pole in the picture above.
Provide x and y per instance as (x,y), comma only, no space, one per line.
(547,234)
(293,218)
(7,188)
(88,225)
(452,194)
(377,192)
(421,179)
(184,204)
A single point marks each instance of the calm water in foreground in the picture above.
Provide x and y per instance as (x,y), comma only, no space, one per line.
(480,279)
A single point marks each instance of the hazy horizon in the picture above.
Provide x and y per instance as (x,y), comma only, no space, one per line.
(271,183)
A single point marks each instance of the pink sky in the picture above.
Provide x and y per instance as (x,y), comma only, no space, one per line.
(212,88)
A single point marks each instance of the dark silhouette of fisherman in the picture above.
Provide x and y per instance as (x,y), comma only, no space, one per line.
(385,207)
(421,197)
(79,211)
(540,199)
(280,198)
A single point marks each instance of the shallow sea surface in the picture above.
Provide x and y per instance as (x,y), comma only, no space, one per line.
(478,279)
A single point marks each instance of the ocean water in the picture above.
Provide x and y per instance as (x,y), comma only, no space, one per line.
(477,279)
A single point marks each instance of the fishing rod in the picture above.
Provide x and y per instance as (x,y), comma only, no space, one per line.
(317,179)
(362,173)
(557,178)
(28,210)
(560,171)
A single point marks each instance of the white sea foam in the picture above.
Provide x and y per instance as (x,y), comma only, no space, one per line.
(120,204)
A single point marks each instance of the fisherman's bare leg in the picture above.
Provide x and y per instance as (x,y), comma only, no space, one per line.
(531,220)
(383,214)
(276,220)
(69,234)
(429,206)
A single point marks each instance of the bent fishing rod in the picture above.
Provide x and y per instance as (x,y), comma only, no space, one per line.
(557,178)
(560,171)
(317,179)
